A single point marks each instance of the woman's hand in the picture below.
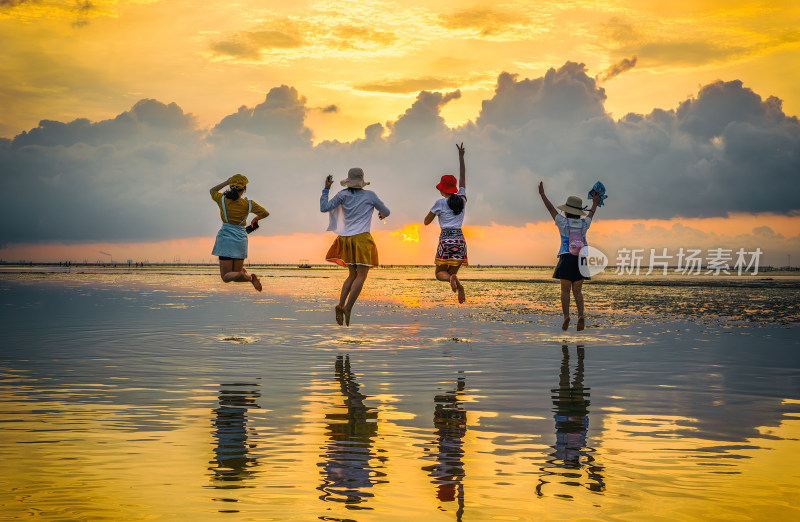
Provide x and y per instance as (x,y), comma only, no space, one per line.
(460,149)
(595,197)
(381,216)
(328,181)
(541,188)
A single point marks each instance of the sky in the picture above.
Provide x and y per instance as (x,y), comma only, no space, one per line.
(117,117)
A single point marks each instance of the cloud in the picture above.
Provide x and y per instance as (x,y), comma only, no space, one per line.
(279,118)
(8,4)
(362,37)
(249,45)
(330,109)
(146,121)
(483,22)
(686,43)
(144,175)
(407,85)
(564,94)
(423,118)
(626,64)
(322,36)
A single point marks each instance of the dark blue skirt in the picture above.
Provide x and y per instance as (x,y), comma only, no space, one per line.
(567,268)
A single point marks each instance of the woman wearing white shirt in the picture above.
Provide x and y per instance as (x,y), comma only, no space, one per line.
(350,217)
(572,227)
(451,253)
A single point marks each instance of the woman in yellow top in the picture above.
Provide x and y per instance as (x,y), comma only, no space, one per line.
(231,242)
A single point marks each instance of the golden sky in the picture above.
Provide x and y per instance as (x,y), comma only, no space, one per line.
(361,62)
(348,65)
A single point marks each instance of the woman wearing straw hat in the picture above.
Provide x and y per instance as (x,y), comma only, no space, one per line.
(451,253)
(231,242)
(572,227)
(351,217)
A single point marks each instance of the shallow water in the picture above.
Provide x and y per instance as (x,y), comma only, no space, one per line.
(143,395)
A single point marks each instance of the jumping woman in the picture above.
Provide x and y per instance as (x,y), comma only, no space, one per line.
(451,253)
(231,242)
(572,228)
(351,217)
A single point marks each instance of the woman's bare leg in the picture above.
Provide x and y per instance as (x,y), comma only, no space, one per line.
(232,270)
(455,281)
(346,287)
(566,287)
(355,290)
(578,293)
(448,274)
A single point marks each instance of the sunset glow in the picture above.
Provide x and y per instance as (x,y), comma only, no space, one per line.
(684,109)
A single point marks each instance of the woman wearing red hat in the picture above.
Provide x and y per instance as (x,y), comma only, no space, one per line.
(452,251)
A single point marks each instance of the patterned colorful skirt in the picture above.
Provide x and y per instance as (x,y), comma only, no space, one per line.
(452,249)
(353,250)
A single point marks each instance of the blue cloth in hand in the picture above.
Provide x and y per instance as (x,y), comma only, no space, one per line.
(600,189)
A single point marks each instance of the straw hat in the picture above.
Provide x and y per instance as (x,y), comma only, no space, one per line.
(355,179)
(238,181)
(574,205)
(448,184)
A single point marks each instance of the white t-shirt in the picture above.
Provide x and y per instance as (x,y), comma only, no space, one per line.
(446,217)
(351,211)
(574,225)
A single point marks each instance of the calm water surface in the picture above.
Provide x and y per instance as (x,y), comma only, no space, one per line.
(156,395)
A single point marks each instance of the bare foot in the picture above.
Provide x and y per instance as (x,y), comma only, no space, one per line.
(454,282)
(256,282)
(346,316)
(565,324)
(461,295)
(339,315)
(581,323)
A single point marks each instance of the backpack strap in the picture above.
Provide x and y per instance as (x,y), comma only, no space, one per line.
(249,208)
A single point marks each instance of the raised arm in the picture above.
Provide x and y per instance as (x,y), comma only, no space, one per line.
(216,188)
(429,218)
(462,169)
(324,204)
(595,202)
(550,207)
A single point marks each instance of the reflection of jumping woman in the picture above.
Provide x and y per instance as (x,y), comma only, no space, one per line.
(231,242)
(567,269)
(451,253)
(351,217)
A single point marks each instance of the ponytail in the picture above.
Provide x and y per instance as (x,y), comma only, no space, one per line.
(456,204)
(232,194)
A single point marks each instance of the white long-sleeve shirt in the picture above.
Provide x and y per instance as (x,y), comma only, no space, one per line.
(351,210)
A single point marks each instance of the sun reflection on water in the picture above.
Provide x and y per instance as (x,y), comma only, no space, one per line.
(116,406)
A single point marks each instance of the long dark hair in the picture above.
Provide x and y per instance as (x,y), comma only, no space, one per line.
(456,204)
(233,194)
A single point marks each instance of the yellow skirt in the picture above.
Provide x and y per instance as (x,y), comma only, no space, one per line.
(353,250)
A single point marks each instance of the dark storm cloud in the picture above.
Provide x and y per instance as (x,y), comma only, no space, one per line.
(145,174)
(626,64)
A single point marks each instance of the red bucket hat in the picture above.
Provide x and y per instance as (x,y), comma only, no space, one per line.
(448,185)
